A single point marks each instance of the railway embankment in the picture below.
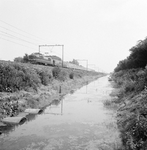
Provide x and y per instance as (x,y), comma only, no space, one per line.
(35,86)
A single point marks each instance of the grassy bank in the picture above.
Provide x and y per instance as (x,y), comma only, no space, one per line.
(36,86)
(130,99)
(130,82)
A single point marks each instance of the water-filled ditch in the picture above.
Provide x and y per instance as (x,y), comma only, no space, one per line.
(78,122)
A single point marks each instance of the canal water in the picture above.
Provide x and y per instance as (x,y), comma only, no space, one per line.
(78,122)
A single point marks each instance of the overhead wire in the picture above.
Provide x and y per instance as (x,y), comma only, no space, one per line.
(48,48)
(15,34)
(21,30)
(10,35)
(19,33)
(17,43)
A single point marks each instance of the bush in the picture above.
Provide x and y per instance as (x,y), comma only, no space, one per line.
(45,77)
(62,75)
(18,59)
(14,77)
(31,79)
(56,71)
(132,121)
(129,87)
(71,75)
(32,102)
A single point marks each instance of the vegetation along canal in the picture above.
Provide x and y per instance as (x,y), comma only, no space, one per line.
(78,122)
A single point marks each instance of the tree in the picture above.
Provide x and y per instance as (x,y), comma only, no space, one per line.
(74,61)
(18,59)
(32,56)
(137,57)
(26,58)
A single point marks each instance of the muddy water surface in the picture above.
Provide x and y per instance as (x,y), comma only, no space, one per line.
(78,122)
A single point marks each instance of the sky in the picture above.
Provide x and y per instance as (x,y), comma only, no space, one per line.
(100,31)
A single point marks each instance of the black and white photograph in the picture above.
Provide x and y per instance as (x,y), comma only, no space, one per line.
(73,75)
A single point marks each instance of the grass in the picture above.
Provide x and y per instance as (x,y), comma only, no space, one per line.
(132,107)
(47,88)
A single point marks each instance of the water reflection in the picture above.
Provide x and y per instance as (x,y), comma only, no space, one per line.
(7,129)
(55,108)
(83,123)
(82,90)
(72,91)
(55,102)
(30,117)
(11,127)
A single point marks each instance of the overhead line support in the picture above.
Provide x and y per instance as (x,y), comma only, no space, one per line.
(55,45)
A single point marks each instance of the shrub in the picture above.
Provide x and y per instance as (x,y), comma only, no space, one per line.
(32,79)
(15,77)
(129,86)
(45,77)
(56,71)
(18,59)
(132,120)
(71,75)
(32,102)
(62,75)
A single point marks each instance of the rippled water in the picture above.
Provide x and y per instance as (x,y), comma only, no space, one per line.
(78,122)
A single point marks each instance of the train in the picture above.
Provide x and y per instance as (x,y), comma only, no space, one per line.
(38,58)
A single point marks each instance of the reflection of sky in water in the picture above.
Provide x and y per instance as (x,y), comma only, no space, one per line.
(78,122)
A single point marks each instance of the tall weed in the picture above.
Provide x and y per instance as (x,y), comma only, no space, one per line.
(132,119)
